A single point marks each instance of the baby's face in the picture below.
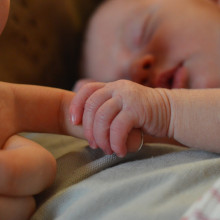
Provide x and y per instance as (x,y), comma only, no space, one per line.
(158,43)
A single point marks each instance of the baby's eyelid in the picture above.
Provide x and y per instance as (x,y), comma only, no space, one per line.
(138,33)
(146,31)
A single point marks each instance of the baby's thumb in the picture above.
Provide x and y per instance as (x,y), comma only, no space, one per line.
(135,140)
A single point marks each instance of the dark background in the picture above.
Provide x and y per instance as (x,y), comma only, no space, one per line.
(42,41)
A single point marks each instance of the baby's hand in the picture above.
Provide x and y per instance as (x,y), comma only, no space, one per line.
(80,83)
(109,111)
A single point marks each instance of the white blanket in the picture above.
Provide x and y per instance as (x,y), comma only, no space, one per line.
(159,182)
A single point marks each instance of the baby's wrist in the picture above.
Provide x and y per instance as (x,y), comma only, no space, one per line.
(165,113)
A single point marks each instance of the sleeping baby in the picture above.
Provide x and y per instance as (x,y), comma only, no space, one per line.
(146,55)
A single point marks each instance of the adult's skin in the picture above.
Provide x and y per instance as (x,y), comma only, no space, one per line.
(25,167)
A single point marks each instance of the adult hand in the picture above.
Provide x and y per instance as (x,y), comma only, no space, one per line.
(26,168)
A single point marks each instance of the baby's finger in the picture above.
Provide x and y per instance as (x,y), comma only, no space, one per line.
(103,118)
(93,103)
(80,83)
(134,140)
(25,167)
(16,208)
(119,130)
(78,103)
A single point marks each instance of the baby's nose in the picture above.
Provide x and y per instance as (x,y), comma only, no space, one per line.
(141,70)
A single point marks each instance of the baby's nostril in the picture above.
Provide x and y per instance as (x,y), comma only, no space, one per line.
(144,82)
(146,66)
(170,83)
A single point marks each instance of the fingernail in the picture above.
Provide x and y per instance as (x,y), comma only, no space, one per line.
(73,119)
(72,116)
(92,145)
(120,155)
(108,151)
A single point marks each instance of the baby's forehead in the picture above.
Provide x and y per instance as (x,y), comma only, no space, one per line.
(110,9)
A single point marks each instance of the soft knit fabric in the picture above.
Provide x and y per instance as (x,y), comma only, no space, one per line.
(160,182)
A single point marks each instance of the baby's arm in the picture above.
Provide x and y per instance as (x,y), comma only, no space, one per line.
(195,118)
(110,111)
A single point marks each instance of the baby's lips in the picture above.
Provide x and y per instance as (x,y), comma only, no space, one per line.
(181,78)
(176,77)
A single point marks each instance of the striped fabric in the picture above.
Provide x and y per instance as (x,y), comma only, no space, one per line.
(207,207)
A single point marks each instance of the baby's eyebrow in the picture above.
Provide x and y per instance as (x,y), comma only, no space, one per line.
(146,32)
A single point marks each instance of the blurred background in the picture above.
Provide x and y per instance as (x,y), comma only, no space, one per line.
(42,41)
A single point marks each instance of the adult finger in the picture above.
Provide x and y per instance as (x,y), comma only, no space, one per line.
(25,167)
(16,208)
(35,109)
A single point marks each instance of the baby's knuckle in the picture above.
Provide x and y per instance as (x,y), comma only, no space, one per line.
(123,81)
(103,144)
(88,85)
(100,117)
(115,128)
(90,105)
(118,84)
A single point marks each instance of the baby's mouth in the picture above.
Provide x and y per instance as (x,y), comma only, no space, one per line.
(173,78)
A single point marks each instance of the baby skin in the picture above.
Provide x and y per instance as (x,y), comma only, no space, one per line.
(109,112)
(172,44)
